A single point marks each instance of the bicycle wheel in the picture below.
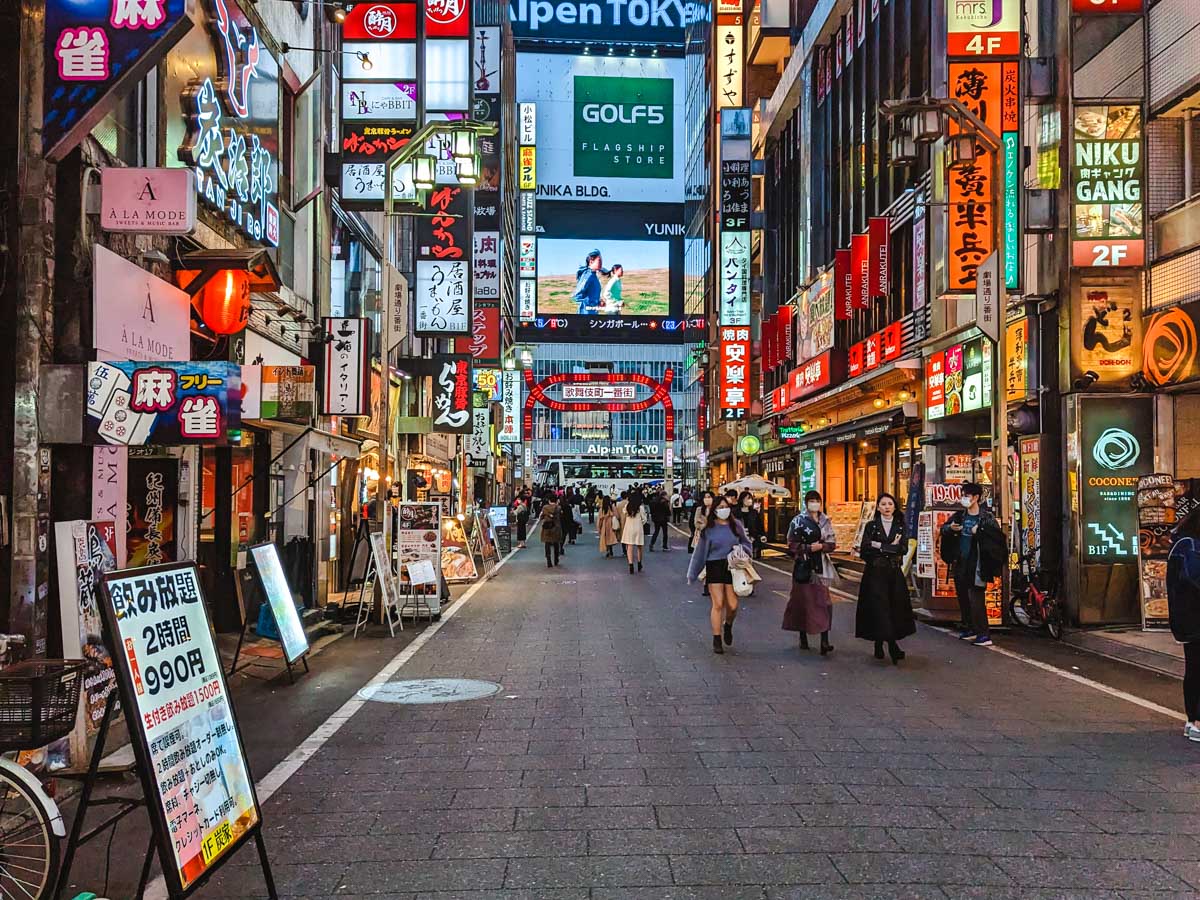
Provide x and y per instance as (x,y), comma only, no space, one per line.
(28,848)
(1054,621)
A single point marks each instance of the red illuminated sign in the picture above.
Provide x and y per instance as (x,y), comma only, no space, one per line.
(380,22)
(935,386)
(735,372)
(660,392)
(446,18)
(1099,7)
(816,374)
(881,347)
(843,285)
(484,342)
(879,232)
(860,266)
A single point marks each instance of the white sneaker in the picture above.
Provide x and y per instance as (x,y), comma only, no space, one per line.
(1191,732)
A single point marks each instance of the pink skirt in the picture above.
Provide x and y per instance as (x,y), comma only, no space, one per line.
(809,608)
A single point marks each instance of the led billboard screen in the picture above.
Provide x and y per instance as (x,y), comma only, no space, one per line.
(628,278)
(609,128)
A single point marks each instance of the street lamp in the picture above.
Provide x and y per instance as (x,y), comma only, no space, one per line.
(424,167)
(962,148)
(467,170)
(462,144)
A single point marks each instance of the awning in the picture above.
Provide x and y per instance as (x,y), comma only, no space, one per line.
(332,444)
(859,429)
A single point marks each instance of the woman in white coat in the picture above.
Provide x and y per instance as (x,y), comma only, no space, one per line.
(633,532)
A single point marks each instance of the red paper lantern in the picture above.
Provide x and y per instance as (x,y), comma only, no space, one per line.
(225,301)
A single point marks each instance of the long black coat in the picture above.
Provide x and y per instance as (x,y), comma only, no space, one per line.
(884,611)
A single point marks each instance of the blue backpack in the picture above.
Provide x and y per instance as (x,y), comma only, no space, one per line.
(1183,590)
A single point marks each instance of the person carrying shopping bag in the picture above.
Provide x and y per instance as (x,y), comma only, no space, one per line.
(810,540)
(714,544)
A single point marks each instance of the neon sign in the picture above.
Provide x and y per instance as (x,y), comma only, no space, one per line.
(231,145)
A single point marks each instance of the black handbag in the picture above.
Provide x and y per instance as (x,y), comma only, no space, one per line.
(802,570)
(806,562)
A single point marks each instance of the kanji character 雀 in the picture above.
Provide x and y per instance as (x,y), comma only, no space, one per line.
(82,54)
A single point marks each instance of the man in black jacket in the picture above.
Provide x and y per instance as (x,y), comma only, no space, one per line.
(660,515)
(974,548)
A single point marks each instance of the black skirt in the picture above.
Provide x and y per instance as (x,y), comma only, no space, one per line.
(884,609)
(716,571)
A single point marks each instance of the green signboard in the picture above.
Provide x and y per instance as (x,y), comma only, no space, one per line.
(808,471)
(749,444)
(624,127)
(1116,446)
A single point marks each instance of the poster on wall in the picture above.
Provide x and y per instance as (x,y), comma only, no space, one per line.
(925,565)
(1157,517)
(185,735)
(418,545)
(1171,347)
(1116,448)
(1106,330)
(153,499)
(457,562)
(86,551)
(1031,499)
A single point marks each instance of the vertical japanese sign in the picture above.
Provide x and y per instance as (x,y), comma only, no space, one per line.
(452,394)
(511,403)
(735,194)
(229,94)
(729,53)
(990,90)
(843,284)
(347,364)
(440,301)
(486,265)
(185,735)
(735,278)
(919,257)
(153,498)
(860,271)
(735,372)
(484,342)
(91,51)
(879,234)
(478,443)
(988,307)
(935,386)
(1107,172)
(1016,360)
(527,182)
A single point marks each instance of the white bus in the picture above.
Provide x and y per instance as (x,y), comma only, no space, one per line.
(610,476)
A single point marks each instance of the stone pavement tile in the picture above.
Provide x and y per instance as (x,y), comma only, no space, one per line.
(806,742)
(1188,871)
(519,797)
(1158,801)
(809,838)
(642,760)
(1127,846)
(856,892)
(877,760)
(967,778)
(506,844)
(453,780)
(918,868)
(1157,895)
(461,874)
(297,824)
(978,841)
(750,794)
(586,817)
(633,841)
(332,849)
(652,795)
(1022,819)
(726,816)
(976,761)
(870,815)
(727,892)
(764,869)
(594,871)
(526,761)
(1031,798)
(968,892)
(749,775)
(902,795)
(753,759)
(827,775)
(576,894)
(586,777)
(1120,782)
(318,879)
(436,821)
(585,746)
(1101,874)
(1144,822)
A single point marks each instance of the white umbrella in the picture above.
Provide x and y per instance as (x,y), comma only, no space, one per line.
(756,484)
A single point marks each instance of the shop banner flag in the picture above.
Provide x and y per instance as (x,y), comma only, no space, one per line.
(860,265)
(843,285)
(879,230)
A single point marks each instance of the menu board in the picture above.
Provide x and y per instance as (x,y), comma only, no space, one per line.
(457,562)
(388,587)
(943,578)
(279,597)
(185,736)
(1156,496)
(498,516)
(926,565)
(419,541)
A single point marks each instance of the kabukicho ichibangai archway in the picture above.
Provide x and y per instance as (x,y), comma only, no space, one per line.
(660,392)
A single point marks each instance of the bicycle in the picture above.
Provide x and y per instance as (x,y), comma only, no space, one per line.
(39,700)
(1033,599)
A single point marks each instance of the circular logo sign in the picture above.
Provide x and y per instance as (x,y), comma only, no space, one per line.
(380,21)
(1116,448)
(749,444)
(445,12)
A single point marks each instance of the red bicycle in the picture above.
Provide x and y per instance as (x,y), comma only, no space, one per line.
(1033,601)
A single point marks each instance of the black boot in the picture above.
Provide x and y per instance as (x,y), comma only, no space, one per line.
(879,649)
(639,565)
(631,570)
(717,648)
(826,647)
(895,652)
(729,633)
(803,641)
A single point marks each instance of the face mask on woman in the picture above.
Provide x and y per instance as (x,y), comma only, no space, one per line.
(723,512)
(966,501)
(814,507)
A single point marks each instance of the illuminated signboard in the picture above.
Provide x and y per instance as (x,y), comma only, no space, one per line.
(729,54)
(1100,7)
(734,278)
(881,347)
(1171,353)
(983,28)
(816,319)
(958,379)
(735,372)
(528,256)
(227,82)
(1016,360)
(1106,325)
(977,375)
(1107,169)
(935,386)
(527,169)
(879,254)
(816,374)
(452,394)
(1116,447)
(512,399)
(90,52)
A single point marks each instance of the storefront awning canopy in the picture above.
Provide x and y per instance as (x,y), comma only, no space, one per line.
(332,444)
(859,429)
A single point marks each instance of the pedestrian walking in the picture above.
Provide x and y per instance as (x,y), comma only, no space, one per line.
(551,531)
(676,506)
(589,501)
(633,529)
(610,521)
(521,515)
(660,516)
(1183,612)
(699,518)
(566,522)
(810,540)
(716,540)
(752,518)
(884,611)
(973,546)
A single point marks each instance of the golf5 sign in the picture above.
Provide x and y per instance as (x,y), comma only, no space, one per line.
(623,123)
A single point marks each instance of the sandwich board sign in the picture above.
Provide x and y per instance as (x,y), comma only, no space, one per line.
(199,792)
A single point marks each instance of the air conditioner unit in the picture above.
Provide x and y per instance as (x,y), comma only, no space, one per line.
(1041,210)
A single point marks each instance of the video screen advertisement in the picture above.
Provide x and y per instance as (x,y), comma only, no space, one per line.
(609,271)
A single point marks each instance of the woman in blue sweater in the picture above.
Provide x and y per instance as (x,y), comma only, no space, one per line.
(721,533)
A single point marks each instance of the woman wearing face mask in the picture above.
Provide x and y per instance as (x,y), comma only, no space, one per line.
(721,533)
(699,518)
(811,539)
(884,611)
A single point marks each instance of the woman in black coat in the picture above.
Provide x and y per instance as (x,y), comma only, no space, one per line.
(884,611)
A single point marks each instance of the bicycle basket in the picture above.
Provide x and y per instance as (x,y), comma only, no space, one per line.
(39,699)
